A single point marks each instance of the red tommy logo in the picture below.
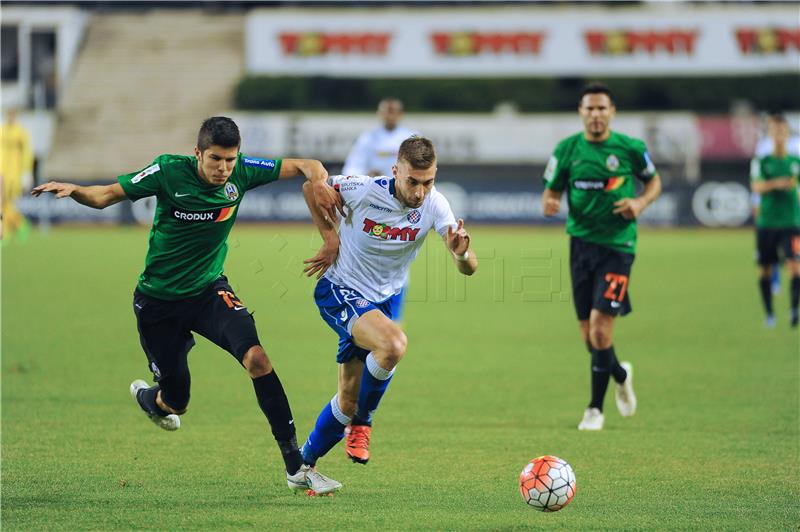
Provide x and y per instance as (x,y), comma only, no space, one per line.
(406,234)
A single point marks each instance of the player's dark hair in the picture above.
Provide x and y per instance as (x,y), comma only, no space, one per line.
(391,99)
(596,87)
(777,116)
(218,131)
(418,152)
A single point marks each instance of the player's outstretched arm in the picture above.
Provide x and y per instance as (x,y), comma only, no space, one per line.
(96,196)
(325,196)
(777,183)
(457,242)
(326,256)
(631,208)
(551,202)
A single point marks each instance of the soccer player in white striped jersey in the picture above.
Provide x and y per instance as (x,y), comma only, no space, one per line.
(365,266)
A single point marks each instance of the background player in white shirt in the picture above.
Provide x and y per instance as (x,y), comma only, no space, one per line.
(385,225)
(375,151)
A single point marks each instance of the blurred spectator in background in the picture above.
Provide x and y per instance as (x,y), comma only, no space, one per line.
(375,150)
(765,147)
(16,166)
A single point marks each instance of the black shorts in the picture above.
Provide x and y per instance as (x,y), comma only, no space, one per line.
(770,241)
(165,327)
(600,278)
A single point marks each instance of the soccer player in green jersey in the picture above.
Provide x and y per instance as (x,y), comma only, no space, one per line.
(597,168)
(183,290)
(774,177)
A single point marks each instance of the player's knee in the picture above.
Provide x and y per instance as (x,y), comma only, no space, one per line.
(584,326)
(600,338)
(396,345)
(256,362)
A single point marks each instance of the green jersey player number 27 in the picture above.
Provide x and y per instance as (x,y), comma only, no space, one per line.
(183,290)
(598,169)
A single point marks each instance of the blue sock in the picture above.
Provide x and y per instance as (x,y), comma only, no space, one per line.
(328,431)
(374,382)
(776,275)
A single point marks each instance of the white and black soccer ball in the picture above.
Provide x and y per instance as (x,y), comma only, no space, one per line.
(547,483)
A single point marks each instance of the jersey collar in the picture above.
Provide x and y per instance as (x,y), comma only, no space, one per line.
(392,187)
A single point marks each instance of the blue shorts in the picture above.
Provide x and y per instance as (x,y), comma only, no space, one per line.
(339,306)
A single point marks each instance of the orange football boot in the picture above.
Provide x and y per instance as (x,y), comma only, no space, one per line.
(357,442)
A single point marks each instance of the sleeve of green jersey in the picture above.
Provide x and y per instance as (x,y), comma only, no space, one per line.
(258,171)
(643,166)
(556,173)
(144,183)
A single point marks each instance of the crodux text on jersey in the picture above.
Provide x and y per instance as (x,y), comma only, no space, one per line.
(595,175)
(188,240)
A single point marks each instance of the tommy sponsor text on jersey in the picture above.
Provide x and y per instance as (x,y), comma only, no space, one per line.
(380,237)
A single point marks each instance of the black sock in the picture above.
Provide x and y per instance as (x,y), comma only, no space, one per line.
(765,284)
(147,400)
(273,402)
(795,291)
(617,371)
(601,373)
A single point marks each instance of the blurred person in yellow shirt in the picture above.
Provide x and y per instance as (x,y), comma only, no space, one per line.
(16,165)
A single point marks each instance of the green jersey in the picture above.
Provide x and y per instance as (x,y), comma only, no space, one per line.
(597,174)
(188,240)
(779,209)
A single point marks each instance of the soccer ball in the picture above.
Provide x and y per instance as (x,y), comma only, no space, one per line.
(547,483)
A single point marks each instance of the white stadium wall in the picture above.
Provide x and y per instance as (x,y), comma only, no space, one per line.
(661,38)
(495,138)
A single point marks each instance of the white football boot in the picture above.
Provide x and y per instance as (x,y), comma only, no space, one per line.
(626,399)
(592,420)
(170,422)
(308,478)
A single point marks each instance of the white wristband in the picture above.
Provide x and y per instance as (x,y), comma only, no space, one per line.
(464,257)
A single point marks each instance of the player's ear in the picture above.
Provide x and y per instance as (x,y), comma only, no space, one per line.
(197,153)
(394,171)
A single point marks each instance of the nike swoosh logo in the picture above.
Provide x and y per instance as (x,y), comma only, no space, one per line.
(137,305)
(238,308)
(177,195)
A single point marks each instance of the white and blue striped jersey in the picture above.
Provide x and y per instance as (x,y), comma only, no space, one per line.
(380,237)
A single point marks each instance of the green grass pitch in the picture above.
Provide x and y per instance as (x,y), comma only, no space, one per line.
(495,375)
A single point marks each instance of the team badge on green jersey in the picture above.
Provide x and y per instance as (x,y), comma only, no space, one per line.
(612,163)
(231,192)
